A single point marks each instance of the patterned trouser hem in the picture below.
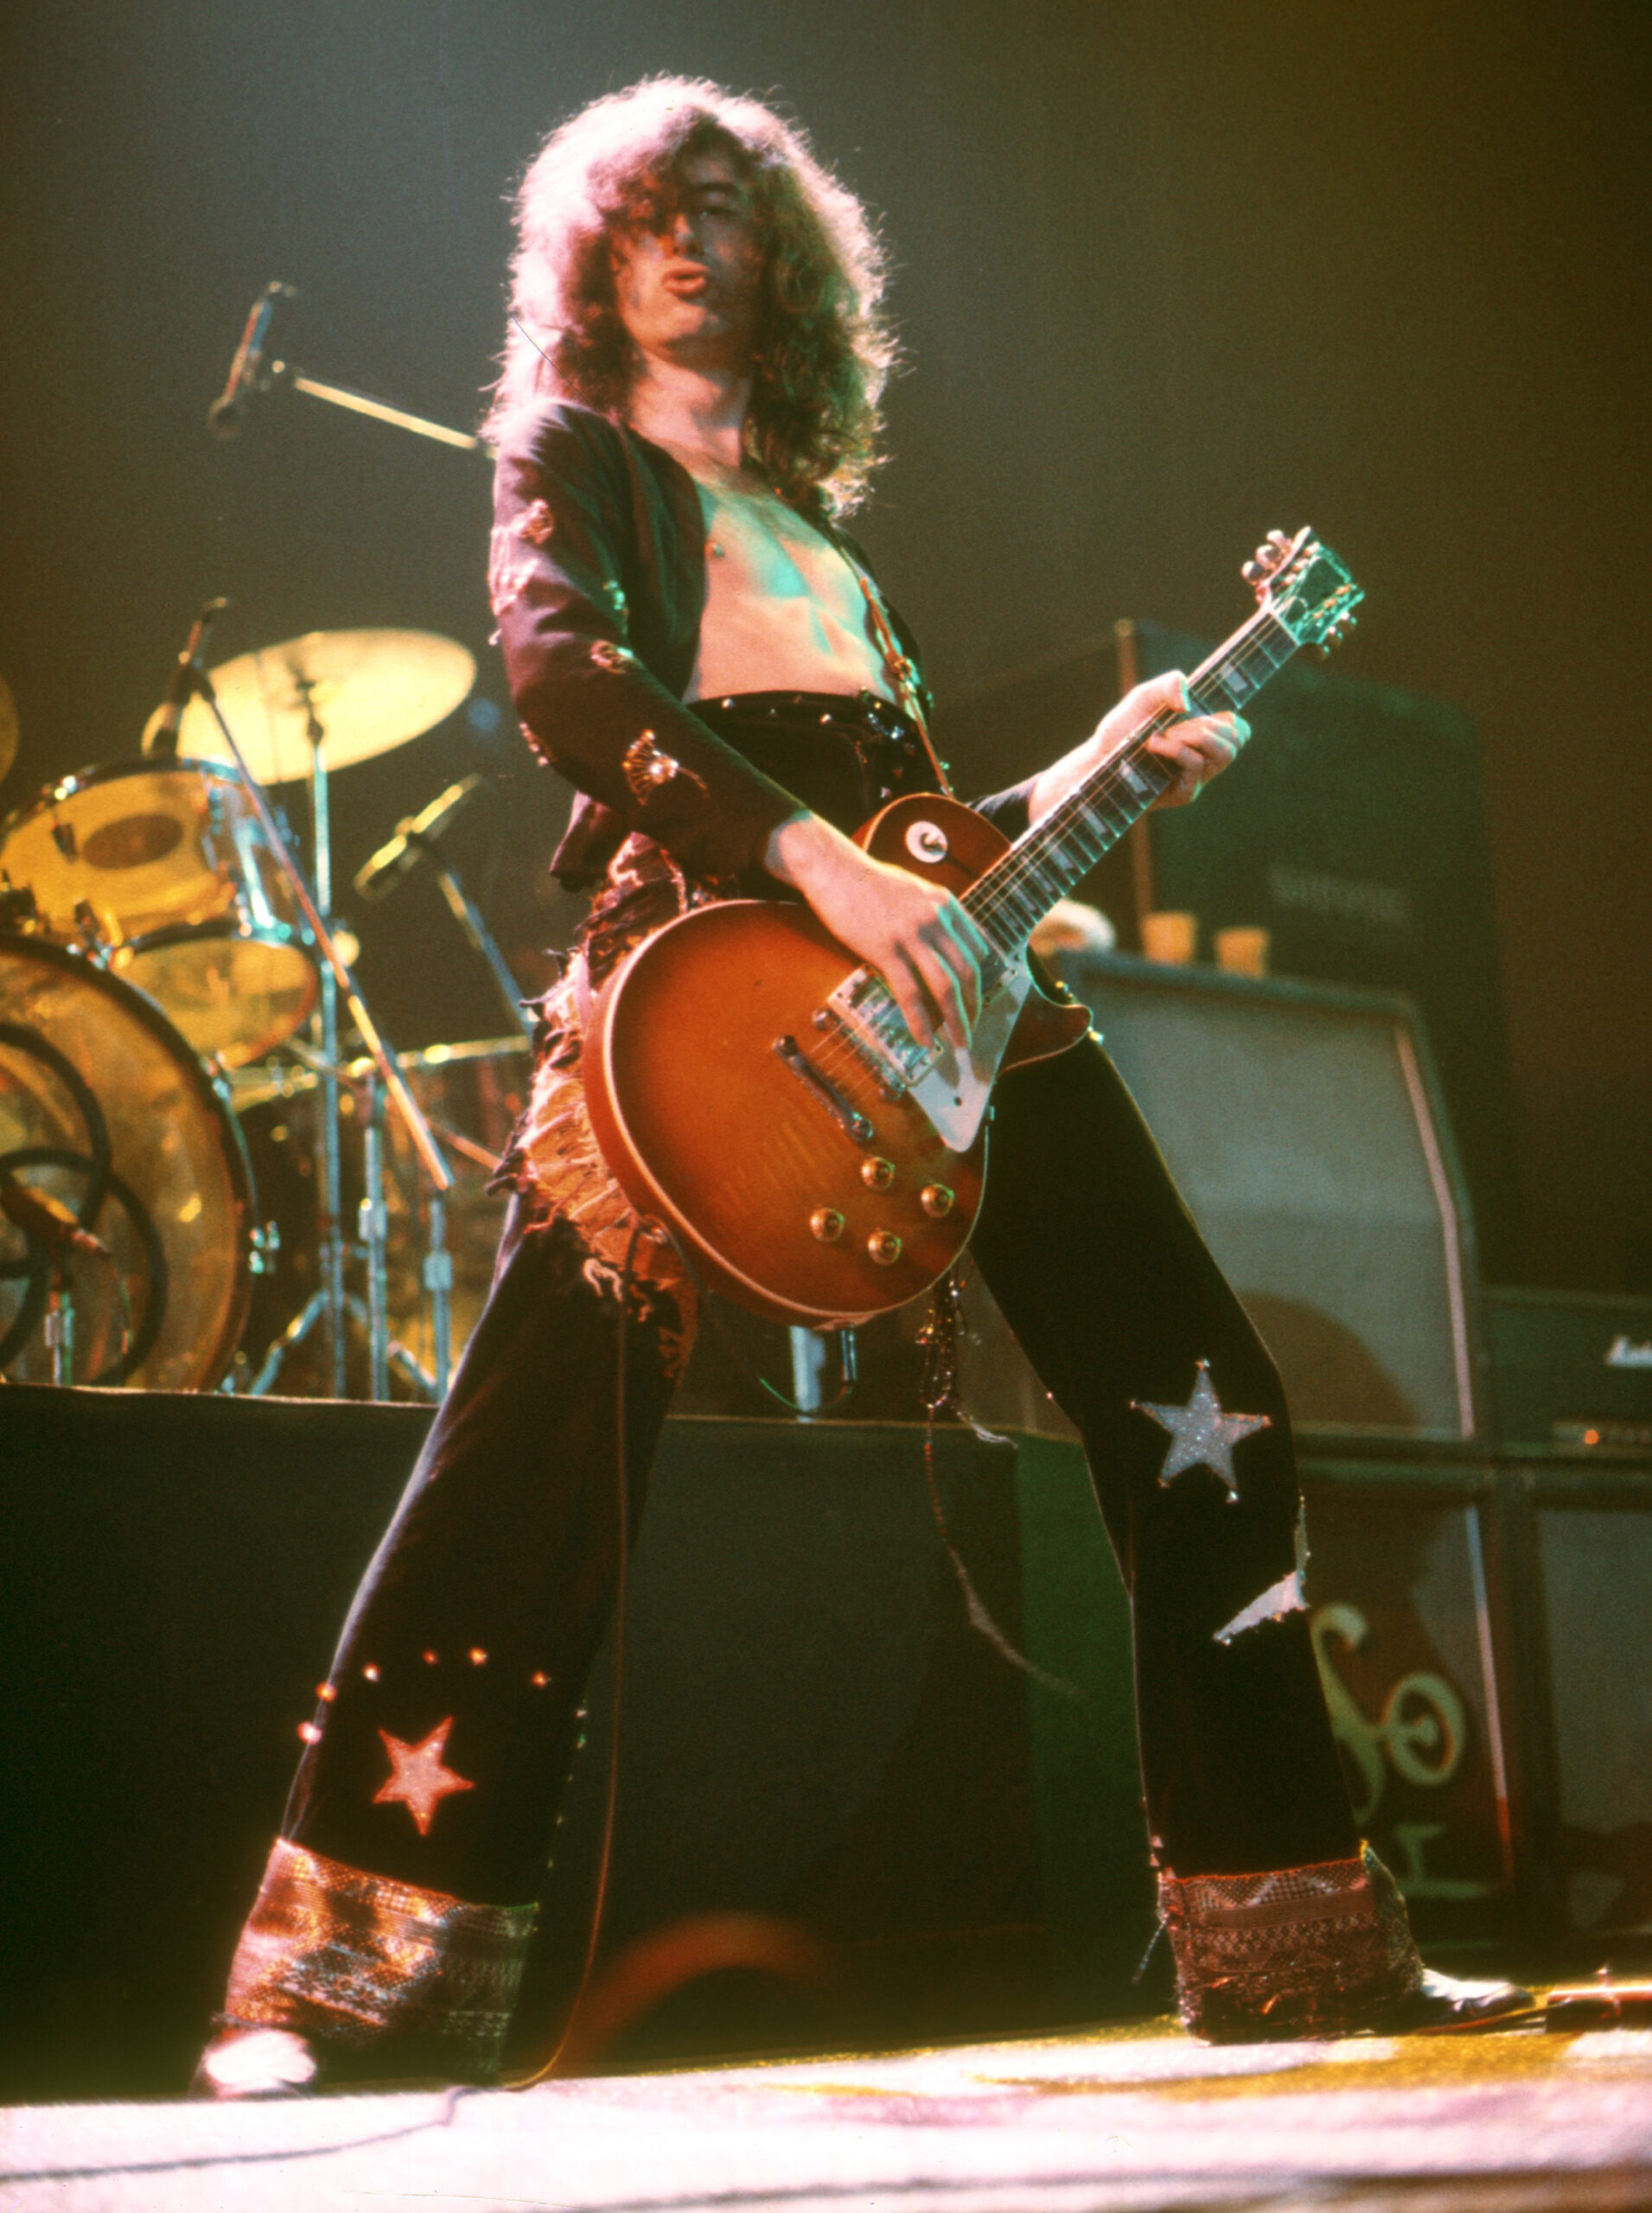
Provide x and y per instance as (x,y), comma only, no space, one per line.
(1301,1951)
(348,1958)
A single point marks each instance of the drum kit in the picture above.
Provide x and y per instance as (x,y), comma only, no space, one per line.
(172,984)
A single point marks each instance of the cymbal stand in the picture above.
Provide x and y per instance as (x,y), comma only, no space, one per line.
(374,1217)
(330,1298)
(438,1281)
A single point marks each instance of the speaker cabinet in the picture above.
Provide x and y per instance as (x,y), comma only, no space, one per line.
(1402,1610)
(1585,1658)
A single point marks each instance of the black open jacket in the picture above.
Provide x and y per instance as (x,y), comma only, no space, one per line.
(597,578)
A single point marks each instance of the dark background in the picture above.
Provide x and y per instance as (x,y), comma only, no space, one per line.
(1167,275)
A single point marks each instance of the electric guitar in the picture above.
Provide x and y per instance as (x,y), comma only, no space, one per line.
(760,1095)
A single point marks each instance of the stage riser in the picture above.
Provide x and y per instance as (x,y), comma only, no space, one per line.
(811,1728)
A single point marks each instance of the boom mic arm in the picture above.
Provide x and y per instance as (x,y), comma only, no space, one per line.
(414,838)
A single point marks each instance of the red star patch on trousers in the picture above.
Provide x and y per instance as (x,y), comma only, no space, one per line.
(417,1778)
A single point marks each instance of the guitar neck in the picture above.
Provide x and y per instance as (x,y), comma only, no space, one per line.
(1047,861)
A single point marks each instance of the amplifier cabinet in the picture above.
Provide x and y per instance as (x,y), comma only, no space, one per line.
(1403,1605)
(1569,1370)
(1306,1133)
(1580,1554)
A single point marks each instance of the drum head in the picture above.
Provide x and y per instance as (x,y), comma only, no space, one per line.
(103,1107)
(132,840)
(230,993)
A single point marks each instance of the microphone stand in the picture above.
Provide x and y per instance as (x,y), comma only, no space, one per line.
(329,1299)
(470,920)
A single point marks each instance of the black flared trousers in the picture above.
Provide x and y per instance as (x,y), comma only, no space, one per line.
(480,1613)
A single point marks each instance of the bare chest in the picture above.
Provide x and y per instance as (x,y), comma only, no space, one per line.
(784,609)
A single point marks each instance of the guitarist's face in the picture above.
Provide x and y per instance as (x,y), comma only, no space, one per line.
(686,278)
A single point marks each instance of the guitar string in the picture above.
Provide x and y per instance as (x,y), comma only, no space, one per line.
(996,893)
(1251,643)
(1023,864)
(1082,806)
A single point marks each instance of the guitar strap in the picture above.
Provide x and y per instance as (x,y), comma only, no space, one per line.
(904,674)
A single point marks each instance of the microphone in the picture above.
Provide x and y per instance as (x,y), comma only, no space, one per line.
(164,738)
(47,1221)
(413,838)
(224,416)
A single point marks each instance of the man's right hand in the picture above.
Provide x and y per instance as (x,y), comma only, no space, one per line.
(919,938)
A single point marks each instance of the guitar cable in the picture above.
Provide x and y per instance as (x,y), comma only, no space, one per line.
(846,1378)
(938,1391)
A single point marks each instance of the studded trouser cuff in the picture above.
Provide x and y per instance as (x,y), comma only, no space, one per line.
(1301,1951)
(348,1958)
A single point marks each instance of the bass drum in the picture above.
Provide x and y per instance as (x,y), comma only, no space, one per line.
(105,1111)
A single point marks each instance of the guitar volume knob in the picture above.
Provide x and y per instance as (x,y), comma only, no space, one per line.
(885,1247)
(937,1199)
(876,1174)
(825,1223)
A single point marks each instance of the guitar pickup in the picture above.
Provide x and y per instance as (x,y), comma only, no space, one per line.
(872,1023)
(841,1108)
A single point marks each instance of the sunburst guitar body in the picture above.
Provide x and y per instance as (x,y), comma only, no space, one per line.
(735,1106)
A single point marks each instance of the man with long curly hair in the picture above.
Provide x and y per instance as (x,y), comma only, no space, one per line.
(688,406)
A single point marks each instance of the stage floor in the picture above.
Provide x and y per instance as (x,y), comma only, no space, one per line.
(1121,2120)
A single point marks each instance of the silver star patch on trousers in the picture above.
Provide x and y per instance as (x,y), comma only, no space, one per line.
(1201,1436)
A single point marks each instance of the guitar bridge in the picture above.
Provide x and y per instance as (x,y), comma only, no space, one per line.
(872,1024)
(843,1110)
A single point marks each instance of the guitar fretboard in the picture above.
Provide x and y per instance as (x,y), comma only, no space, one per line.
(1057,852)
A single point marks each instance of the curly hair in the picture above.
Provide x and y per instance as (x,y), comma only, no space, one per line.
(823,350)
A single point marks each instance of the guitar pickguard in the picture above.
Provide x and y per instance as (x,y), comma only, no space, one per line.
(953,1095)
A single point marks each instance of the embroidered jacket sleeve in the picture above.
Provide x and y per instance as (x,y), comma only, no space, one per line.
(598,601)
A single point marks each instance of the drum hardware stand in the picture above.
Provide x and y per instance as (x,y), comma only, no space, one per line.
(438,1281)
(467,916)
(49,1226)
(438,1261)
(58,1329)
(373,1227)
(423,848)
(329,1299)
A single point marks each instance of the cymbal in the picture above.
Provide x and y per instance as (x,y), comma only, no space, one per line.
(370,690)
(8,730)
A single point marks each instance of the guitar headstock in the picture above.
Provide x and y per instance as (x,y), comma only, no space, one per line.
(1305,587)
